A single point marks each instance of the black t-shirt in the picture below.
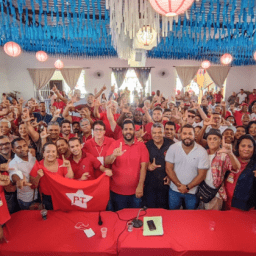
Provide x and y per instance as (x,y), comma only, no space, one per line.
(155,178)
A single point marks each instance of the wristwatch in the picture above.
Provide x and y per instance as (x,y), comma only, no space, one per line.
(187,187)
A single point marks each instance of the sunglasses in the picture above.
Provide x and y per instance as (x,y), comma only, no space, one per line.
(191,116)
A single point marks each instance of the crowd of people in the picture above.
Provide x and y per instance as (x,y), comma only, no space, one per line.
(158,153)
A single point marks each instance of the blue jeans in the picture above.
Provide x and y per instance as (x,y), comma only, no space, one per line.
(24,205)
(120,202)
(175,200)
(47,202)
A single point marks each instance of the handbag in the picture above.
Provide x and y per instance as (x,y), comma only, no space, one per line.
(205,193)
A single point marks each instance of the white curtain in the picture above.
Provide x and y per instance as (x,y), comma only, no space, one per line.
(218,74)
(41,77)
(186,74)
(71,76)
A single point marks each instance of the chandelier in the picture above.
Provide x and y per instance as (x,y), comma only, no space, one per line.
(146,35)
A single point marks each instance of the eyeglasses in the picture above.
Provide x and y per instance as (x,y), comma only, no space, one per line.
(191,116)
(98,130)
(5,144)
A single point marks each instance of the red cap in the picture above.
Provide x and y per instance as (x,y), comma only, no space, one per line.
(244,104)
(153,93)
(157,104)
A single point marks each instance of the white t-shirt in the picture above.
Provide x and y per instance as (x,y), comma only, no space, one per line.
(241,97)
(209,179)
(186,166)
(198,124)
(26,194)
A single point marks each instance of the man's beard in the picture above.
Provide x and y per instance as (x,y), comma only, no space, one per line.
(187,144)
(130,139)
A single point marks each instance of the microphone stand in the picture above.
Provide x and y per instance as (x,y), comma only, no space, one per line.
(136,222)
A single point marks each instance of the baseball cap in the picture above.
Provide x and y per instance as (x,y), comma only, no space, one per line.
(244,104)
(231,127)
(214,132)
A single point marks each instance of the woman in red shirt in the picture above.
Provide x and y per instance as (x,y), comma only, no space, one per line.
(50,163)
(240,186)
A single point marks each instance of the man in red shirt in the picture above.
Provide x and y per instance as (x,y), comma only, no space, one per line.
(218,97)
(65,127)
(59,104)
(84,164)
(238,114)
(252,97)
(157,117)
(129,159)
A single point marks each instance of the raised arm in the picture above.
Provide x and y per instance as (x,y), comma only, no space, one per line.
(110,117)
(200,111)
(96,109)
(66,110)
(97,95)
(57,92)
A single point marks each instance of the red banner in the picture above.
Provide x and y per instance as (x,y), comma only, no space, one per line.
(75,195)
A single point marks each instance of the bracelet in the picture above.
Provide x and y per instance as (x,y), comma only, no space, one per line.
(187,187)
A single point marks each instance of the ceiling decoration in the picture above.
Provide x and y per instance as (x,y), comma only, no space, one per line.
(84,29)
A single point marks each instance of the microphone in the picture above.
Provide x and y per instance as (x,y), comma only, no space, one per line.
(44,214)
(100,220)
(136,222)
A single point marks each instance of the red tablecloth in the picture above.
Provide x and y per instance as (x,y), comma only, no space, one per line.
(29,234)
(188,233)
(185,233)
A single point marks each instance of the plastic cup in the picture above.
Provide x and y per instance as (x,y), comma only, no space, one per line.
(212,225)
(130,226)
(104,232)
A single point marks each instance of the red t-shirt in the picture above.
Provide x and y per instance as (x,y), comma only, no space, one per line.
(218,97)
(4,212)
(60,105)
(43,185)
(126,168)
(104,118)
(252,98)
(93,148)
(85,139)
(71,135)
(238,116)
(227,114)
(88,163)
(230,187)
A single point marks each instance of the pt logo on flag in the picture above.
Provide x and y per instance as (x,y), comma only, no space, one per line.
(79,198)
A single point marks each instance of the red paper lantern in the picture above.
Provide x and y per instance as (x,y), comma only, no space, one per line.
(226,59)
(170,7)
(58,64)
(41,56)
(206,64)
(12,49)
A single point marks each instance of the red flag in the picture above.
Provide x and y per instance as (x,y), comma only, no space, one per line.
(75,195)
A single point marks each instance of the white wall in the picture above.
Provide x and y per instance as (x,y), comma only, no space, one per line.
(16,77)
(3,74)
(239,78)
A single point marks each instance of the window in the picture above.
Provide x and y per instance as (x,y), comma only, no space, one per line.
(44,93)
(132,83)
